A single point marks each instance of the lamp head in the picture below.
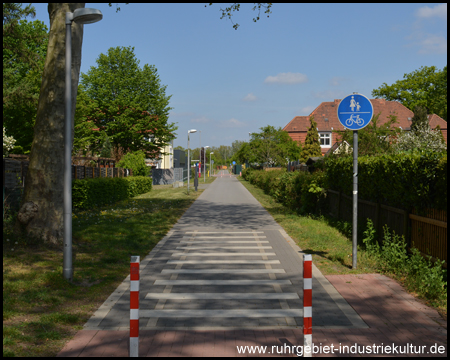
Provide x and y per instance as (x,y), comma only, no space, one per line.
(192,131)
(87,16)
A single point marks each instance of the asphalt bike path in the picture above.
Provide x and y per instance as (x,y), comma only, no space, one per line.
(225,264)
(227,275)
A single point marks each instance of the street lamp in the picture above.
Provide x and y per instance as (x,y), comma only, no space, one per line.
(81,16)
(210,168)
(189,157)
(204,162)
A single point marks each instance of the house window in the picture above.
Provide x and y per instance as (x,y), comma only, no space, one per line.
(325,139)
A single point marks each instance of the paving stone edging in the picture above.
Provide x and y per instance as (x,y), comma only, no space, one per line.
(349,312)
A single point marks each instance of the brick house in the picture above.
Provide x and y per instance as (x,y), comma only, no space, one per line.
(325,115)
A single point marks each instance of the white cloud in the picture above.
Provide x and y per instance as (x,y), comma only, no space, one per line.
(434,44)
(286,78)
(250,97)
(439,11)
(201,120)
(429,43)
(232,123)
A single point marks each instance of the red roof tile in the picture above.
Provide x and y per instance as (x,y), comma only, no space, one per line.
(325,115)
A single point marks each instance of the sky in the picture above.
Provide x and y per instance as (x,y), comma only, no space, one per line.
(227,83)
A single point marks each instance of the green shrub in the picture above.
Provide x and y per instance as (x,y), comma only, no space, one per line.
(298,191)
(136,162)
(421,275)
(415,179)
(393,252)
(428,279)
(88,193)
(370,240)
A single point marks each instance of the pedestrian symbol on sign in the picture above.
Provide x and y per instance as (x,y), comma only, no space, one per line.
(353,103)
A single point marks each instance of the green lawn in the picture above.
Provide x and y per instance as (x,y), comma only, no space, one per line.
(41,310)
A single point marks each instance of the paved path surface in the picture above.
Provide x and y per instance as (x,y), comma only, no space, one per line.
(227,275)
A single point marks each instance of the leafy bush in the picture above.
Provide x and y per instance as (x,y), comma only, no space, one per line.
(415,179)
(370,240)
(393,252)
(429,279)
(136,162)
(299,191)
(423,139)
(420,274)
(90,193)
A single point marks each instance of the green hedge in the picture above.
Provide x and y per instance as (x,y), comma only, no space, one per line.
(90,193)
(404,180)
(299,191)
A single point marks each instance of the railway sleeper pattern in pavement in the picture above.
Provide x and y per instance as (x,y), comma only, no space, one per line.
(250,279)
(222,279)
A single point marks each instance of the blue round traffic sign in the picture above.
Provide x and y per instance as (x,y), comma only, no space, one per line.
(355,111)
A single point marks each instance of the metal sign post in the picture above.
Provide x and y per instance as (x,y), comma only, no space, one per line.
(355,112)
(355,198)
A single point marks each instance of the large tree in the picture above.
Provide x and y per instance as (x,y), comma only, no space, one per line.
(269,147)
(426,87)
(222,154)
(125,102)
(41,212)
(24,50)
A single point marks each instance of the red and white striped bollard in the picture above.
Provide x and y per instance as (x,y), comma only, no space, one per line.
(307,304)
(134,306)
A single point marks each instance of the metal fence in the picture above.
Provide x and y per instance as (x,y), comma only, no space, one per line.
(15,172)
(167,176)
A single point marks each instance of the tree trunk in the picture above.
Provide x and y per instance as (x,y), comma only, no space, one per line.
(41,212)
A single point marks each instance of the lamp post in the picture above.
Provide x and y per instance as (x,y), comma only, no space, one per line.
(189,158)
(204,162)
(81,16)
(210,168)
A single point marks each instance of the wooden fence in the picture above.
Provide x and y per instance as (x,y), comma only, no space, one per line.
(426,233)
(429,232)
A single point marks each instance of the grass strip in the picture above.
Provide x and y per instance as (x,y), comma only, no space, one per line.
(331,250)
(41,310)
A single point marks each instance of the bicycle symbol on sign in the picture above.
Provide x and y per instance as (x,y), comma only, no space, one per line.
(354,119)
